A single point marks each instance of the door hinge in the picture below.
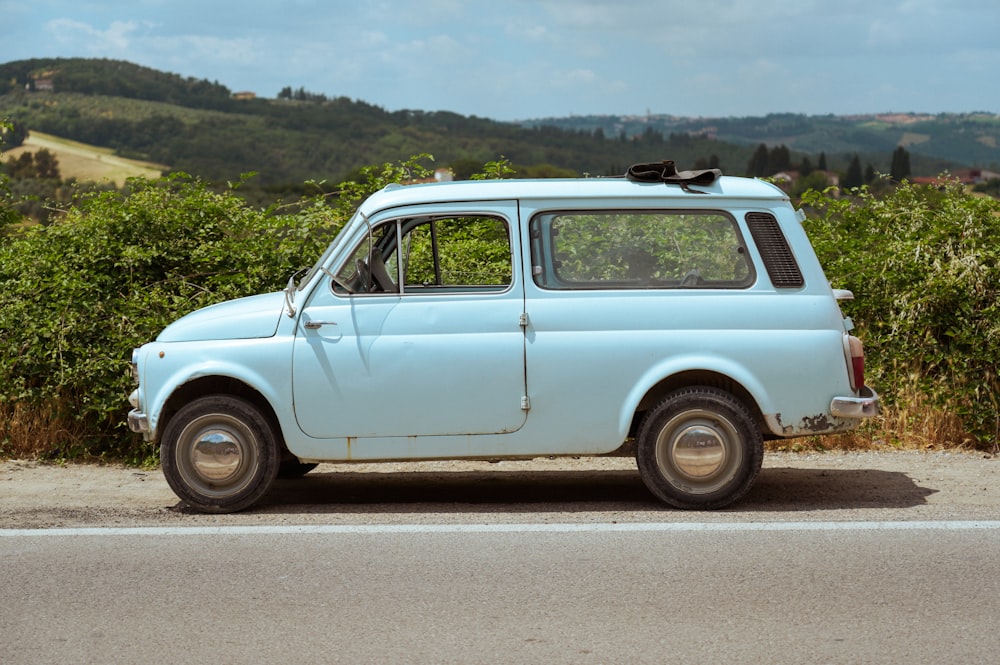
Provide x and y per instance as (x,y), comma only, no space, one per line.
(525,403)
(524,319)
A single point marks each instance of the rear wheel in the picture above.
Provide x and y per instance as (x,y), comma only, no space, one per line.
(699,449)
(219,454)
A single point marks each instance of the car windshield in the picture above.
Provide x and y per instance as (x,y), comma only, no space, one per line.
(322,261)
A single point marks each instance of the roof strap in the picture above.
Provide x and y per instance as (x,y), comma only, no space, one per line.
(665,172)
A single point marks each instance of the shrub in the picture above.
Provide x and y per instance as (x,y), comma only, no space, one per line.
(77,295)
(924,265)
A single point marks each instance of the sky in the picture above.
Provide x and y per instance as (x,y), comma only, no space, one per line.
(524,59)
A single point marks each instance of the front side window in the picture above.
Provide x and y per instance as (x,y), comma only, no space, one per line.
(639,249)
(457,252)
(431,255)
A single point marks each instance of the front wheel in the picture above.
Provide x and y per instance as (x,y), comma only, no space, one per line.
(699,449)
(219,454)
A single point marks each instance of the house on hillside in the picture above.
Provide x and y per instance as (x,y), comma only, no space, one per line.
(964,176)
(244,95)
(41,85)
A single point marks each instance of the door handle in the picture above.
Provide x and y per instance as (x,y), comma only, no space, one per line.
(316,325)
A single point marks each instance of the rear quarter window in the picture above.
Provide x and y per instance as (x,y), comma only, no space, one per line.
(639,249)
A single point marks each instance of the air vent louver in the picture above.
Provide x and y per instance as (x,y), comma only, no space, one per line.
(778,258)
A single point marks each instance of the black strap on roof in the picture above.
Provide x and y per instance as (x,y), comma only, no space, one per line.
(665,172)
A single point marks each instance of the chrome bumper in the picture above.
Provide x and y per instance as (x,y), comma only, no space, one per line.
(865,405)
(138,421)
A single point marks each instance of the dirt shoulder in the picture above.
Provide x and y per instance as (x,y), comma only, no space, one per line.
(870,486)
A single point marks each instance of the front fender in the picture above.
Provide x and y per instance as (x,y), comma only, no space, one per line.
(261,364)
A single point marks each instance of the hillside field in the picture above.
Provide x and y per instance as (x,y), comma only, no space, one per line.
(87,163)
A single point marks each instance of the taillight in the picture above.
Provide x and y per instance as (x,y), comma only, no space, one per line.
(857,362)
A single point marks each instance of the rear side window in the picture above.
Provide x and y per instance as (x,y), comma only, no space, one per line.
(639,249)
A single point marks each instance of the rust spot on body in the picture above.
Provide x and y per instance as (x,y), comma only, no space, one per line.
(820,423)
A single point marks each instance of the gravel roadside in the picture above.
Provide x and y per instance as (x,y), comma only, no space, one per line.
(870,486)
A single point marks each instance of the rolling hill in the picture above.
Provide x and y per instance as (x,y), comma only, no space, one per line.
(201,128)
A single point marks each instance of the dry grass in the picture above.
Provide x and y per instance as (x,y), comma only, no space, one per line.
(32,433)
(912,424)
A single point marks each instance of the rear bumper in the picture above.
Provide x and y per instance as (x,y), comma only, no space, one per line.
(865,405)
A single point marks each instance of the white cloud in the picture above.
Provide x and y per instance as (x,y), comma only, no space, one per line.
(116,39)
(529,58)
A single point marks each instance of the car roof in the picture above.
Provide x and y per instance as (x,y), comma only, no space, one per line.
(576,189)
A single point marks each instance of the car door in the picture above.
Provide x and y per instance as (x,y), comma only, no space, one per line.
(438,349)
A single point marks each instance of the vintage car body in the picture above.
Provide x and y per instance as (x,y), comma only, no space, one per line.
(583,321)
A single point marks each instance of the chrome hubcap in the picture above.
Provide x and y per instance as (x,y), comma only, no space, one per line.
(699,451)
(216,455)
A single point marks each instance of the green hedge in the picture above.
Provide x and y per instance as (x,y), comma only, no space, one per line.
(924,265)
(77,295)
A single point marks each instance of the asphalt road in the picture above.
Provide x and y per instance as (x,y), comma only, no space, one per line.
(857,558)
(750,592)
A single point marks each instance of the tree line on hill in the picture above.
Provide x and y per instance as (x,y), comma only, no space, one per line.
(198,127)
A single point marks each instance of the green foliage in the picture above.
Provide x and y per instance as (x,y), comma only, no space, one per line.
(495,170)
(8,214)
(924,266)
(76,296)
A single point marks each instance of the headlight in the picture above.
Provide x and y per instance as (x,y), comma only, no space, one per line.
(135,366)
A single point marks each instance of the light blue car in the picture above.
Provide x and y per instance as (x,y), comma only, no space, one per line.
(514,319)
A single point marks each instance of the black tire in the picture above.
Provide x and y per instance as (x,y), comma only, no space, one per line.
(219,454)
(699,449)
(292,468)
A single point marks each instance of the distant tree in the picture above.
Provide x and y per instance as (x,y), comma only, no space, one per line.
(759,164)
(42,164)
(712,162)
(822,162)
(652,136)
(22,166)
(853,178)
(806,167)
(816,180)
(900,169)
(12,134)
(46,165)
(463,168)
(779,159)
(870,174)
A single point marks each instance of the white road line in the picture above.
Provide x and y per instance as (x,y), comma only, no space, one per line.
(626,527)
